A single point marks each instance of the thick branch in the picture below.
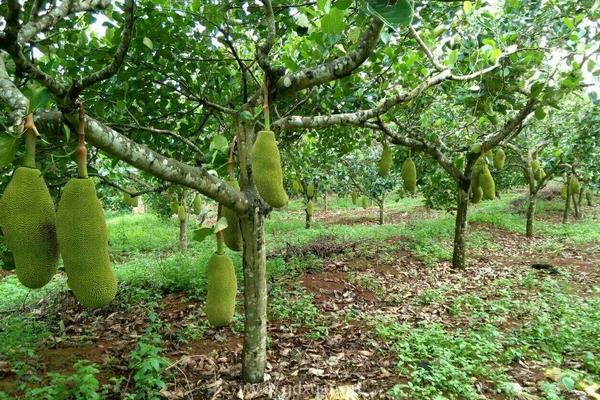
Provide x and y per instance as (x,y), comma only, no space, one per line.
(262,51)
(10,94)
(510,127)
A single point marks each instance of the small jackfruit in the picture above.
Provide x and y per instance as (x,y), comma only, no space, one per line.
(28,221)
(489,155)
(296,187)
(354,198)
(574,185)
(499,159)
(409,175)
(310,208)
(365,202)
(535,165)
(310,190)
(221,290)
(181,213)
(174,206)
(589,196)
(477,194)
(563,191)
(476,148)
(134,201)
(83,242)
(475,173)
(232,235)
(539,174)
(197,204)
(266,168)
(126,198)
(486,181)
(385,163)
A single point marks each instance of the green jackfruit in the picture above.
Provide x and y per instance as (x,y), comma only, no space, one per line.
(385,163)
(266,167)
(354,198)
(365,202)
(126,198)
(310,208)
(477,194)
(134,201)
(28,221)
(499,159)
(174,206)
(232,235)
(489,155)
(181,213)
(197,204)
(539,174)
(589,196)
(221,290)
(563,191)
(310,190)
(476,148)
(409,175)
(535,165)
(574,185)
(296,187)
(83,242)
(486,181)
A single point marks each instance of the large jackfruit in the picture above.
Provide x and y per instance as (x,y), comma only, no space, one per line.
(574,185)
(221,290)
(134,201)
(197,204)
(385,163)
(499,159)
(28,221)
(232,235)
(266,169)
(409,175)
(476,195)
(83,242)
(310,190)
(310,208)
(563,191)
(486,181)
(354,198)
(181,213)
(475,173)
(364,202)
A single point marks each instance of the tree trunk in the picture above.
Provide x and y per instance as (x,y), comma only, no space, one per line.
(308,222)
(575,204)
(458,256)
(324,201)
(254,356)
(567,204)
(531,214)
(381,207)
(183,236)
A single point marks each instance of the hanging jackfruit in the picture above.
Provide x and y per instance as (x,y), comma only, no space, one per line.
(475,173)
(354,198)
(232,235)
(476,148)
(489,155)
(477,194)
(83,242)
(539,174)
(296,187)
(181,213)
(310,190)
(266,167)
(535,165)
(409,175)
(486,181)
(197,204)
(221,290)
(126,198)
(589,196)
(574,185)
(365,202)
(499,159)
(174,206)
(310,208)
(28,221)
(563,191)
(385,163)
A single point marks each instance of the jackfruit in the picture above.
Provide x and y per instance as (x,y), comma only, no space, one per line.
(310,190)
(365,202)
(385,163)
(476,195)
(489,155)
(181,213)
(221,290)
(354,198)
(539,174)
(174,206)
(499,159)
(535,165)
(589,197)
(296,187)
(310,208)
(574,185)
(83,242)
(126,198)
(28,221)
(197,204)
(232,235)
(563,191)
(266,167)
(486,181)
(476,148)
(475,172)
(409,175)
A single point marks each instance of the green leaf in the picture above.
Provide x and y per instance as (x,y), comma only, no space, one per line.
(540,113)
(342,4)
(220,225)
(395,15)
(333,22)
(468,7)
(536,89)
(219,143)
(452,58)
(8,149)
(40,99)
(246,116)
(202,233)
(148,43)
(322,4)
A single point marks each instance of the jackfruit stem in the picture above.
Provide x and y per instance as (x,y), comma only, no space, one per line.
(30,138)
(81,152)
(220,239)
(266,104)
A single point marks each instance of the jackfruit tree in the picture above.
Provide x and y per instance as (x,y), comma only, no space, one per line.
(333,69)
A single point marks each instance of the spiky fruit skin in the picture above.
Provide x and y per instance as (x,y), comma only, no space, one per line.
(181,213)
(296,187)
(364,203)
(476,148)
(574,185)
(477,195)
(126,198)
(409,175)
(134,201)
(499,159)
(385,163)
(475,173)
(83,242)
(266,169)
(197,204)
(174,207)
(487,184)
(28,221)
(221,290)
(489,155)
(563,191)
(589,196)
(310,208)
(354,198)
(232,235)
(535,165)
(310,190)
(540,175)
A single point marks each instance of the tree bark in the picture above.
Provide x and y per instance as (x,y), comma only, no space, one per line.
(183,236)
(567,204)
(575,205)
(531,214)
(458,256)
(254,356)
(308,222)
(381,208)
(324,201)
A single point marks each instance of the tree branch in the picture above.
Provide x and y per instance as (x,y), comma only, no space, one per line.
(160,131)
(10,94)
(426,50)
